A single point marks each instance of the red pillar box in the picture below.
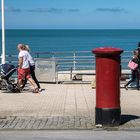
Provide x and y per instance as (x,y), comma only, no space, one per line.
(108,110)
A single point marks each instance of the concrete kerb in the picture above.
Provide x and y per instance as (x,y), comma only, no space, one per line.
(48,123)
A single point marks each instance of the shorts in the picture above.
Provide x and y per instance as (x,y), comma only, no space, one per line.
(24,74)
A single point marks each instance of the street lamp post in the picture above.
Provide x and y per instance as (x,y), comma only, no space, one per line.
(3,33)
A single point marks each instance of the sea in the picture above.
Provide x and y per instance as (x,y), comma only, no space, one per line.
(61,40)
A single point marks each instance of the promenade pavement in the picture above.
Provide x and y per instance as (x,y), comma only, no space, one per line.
(63,106)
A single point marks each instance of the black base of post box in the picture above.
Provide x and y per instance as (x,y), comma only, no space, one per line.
(108,117)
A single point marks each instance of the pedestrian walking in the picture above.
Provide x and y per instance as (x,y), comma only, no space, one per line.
(24,68)
(134,66)
(32,68)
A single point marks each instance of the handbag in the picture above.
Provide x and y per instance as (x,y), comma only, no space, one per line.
(132,65)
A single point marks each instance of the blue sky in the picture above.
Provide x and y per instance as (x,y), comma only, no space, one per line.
(72,14)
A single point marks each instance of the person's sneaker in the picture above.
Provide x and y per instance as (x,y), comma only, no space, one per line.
(40,90)
(126,87)
(36,90)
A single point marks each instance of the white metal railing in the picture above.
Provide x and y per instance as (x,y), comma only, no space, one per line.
(77,60)
(72,63)
(66,60)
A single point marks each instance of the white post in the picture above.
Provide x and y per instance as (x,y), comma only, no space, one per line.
(3,33)
(74,61)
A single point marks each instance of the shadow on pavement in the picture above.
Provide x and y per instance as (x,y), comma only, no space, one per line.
(126,118)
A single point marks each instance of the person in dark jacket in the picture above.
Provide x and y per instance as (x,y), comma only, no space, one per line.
(135,73)
(138,46)
(138,50)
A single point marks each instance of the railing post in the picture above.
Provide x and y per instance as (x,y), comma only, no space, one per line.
(10,58)
(71,74)
(37,55)
(74,61)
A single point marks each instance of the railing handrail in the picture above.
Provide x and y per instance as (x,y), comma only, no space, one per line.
(74,59)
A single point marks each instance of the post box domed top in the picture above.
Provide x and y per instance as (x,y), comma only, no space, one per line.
(107,50)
